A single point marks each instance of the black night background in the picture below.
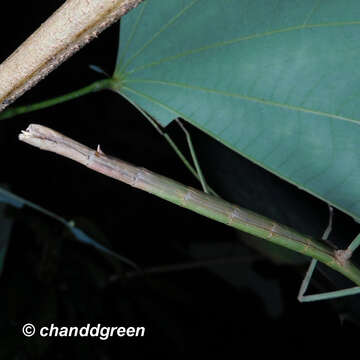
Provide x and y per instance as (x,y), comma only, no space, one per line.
(244,301)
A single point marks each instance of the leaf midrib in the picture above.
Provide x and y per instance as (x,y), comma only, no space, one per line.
(247,98)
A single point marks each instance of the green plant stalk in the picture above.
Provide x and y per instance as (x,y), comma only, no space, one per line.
(94,87)
(192,199)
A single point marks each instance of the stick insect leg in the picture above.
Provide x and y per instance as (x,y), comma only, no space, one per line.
(306,281)
(193,156)
(311,268)
(172,144)
(354,244)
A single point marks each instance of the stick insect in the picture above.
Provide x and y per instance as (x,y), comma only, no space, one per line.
(204,204)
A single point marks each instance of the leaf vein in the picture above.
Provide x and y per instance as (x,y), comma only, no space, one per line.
(237,40)
(249,98)
(157,34)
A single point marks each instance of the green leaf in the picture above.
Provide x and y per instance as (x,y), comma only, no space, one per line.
(277,81)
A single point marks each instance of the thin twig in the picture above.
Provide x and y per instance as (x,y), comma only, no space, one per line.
(70,225)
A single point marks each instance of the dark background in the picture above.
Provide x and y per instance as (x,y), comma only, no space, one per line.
(248,305)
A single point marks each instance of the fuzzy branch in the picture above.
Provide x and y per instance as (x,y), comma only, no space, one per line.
(72,26)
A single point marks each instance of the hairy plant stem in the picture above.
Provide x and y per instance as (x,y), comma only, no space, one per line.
(72,26)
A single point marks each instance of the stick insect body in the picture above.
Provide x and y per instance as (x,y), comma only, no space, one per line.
(187,197)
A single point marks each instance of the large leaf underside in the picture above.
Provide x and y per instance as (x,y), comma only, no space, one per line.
(276,80)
